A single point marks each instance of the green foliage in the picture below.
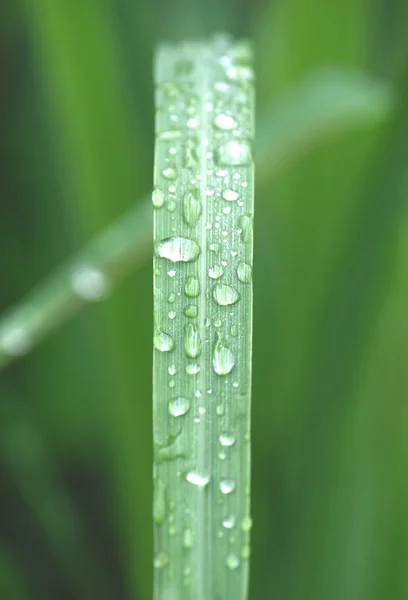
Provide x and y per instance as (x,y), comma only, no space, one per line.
(329,422)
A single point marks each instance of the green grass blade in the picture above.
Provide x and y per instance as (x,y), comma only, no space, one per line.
(86,278)
(203,202)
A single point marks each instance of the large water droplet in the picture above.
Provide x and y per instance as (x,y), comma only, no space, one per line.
(227,486)
(225,122)
(179,406)
(191,208)
(192,341)
(244,272)
(234,153)
(192,287)
(227,439)
(245,223)
(198,477)
(223,359)
(225,295)
(215,272)
(178,249)
(159,502)
(169,173)
(230,195)
(163,341)
(157,198)
(232,561)
(191,311)
(160,560)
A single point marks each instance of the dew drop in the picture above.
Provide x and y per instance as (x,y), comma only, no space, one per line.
(215,248)
(191,208)
(217,323)
(179,406)
(244,272)
(171,272)
(192,368)
(90,283)
(227,439)
(223,358)
(215,272)
(15,340)
(171,206)
(192,123)
(170,135)
(172,314)
(225,122)
(228,522)
(188,538)
(192,287)
(159,502)
(178,249)
(169,173)
(225,295)
(234,153)
(226,210)
(245,223)
(245,552)
(227,486)
(240,73)
(192,341)
(163,341)
(230,195)
(172,370)
(246,524)
(171,298)
(232,561)
(160,560)
(234,330)
(198,477)
(157,198)
(191,311)
(220,410)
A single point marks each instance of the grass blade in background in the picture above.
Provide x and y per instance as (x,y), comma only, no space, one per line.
(203,203)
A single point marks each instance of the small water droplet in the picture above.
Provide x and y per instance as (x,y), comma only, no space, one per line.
(192,341)
(228,522)
(157,198)
(160,560)
(220,410)
(234,330)
(225,295)
(232,561)
(191,311)
(245,552)
(159,502)
(221,173)
(188,538)
(178,249)
(179,406)
(223,358)
(192,123)
(171,206)
(227,439)
(230,195)
(234,153)
(192,287)
(90,283)
(191,208)
(207,322)
(225,122)
(240,73)
(226,210)
(198,477)
(163,341)
(246,524)
(170,135)
(171,272)
(245,223)
(192,368)
(172,314)
(215,248)
(227,486)
(215,272)
(217,323)
(172,298)
(172,370)
(169,173)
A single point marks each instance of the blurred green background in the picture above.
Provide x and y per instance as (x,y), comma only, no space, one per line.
(330,388)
